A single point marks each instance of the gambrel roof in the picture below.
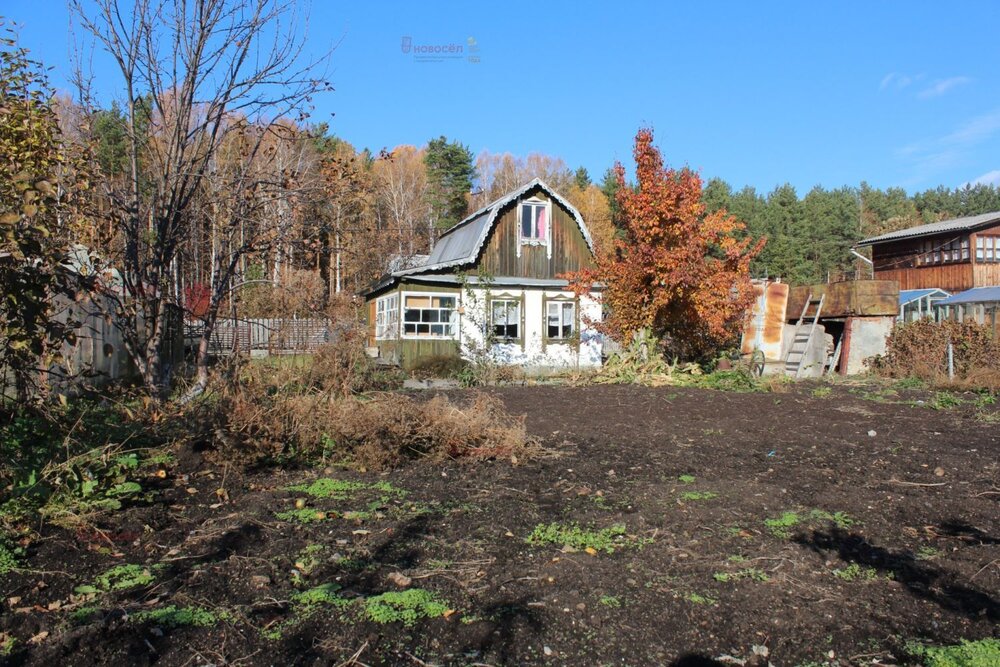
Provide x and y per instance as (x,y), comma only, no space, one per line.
(462,243)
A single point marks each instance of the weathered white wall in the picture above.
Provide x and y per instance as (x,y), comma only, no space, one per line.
(535,353)
(867,338)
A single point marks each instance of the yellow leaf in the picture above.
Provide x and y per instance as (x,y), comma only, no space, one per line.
(591,550)
(9,218)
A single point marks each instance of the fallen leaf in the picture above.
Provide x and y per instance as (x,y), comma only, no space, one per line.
(400,579)
(591,550)
(39,638)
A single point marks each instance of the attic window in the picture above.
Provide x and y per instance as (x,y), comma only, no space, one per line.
(535,221)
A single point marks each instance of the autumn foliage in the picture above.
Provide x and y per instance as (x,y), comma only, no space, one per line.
(678,270)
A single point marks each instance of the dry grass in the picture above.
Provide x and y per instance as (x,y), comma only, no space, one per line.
(376,433)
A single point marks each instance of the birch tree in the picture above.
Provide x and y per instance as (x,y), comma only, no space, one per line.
(192,72)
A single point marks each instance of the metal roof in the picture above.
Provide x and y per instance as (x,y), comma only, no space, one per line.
(461,244)
(957,225)
(974,295)
(910,295)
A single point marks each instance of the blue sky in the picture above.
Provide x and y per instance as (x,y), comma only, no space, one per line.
(893,93)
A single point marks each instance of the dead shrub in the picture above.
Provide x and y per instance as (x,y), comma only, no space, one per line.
(343,367)
(439,366)
(919,350)
(373,434)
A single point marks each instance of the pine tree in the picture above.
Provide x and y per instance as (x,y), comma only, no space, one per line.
(450,173)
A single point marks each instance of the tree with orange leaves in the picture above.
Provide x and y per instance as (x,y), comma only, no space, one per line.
(679,271)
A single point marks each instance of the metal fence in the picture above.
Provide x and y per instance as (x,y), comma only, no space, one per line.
(269,336)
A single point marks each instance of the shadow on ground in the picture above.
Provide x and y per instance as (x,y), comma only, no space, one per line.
(922,579)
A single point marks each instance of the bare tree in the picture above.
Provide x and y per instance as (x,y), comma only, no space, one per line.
(194,73)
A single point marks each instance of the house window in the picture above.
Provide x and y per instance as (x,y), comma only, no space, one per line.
(560,319)
(429,315)
(506,319)
(387,317)
(535,221)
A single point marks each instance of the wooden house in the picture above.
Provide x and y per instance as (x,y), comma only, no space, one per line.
(952,255)
(492,285)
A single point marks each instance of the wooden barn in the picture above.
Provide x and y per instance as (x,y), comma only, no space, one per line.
(491,285)
(952,255)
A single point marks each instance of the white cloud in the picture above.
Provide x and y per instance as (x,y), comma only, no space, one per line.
(931,157)
(898,81)
(942,86)
(989,178)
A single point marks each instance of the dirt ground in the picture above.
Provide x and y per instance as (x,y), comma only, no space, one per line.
(830,528)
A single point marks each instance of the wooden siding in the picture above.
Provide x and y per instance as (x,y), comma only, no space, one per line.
(897,261)
(408,352)
(569,249)
(950,277)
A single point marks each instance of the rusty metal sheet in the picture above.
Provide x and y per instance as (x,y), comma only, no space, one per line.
(853,298)
(765,326)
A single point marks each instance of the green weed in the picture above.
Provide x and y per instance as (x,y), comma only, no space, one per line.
(325,594)
(782,526)
(119,578)
(822,392)
(612,601)
(83,614)
(927,553)
(697,598)
(407,606)
(944,400)
(571,534)
(694,496)
(338,489)
(751,573)
(174,617)
(686,479)
(982,653)
(840,519)
(8,557)
(855,572)
(304,515)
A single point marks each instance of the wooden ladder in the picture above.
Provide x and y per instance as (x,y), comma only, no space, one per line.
(804,330)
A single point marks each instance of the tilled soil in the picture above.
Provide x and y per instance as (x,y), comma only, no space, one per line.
(828,529)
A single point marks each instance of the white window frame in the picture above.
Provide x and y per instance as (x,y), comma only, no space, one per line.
(525,240)
(387,317)
(561,313)
(517,304)
(453,322)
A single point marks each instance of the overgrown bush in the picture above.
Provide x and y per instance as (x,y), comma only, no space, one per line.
(340,368)
(372,434)
(920,350)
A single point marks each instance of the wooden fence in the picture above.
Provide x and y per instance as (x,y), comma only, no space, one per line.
(270,336)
